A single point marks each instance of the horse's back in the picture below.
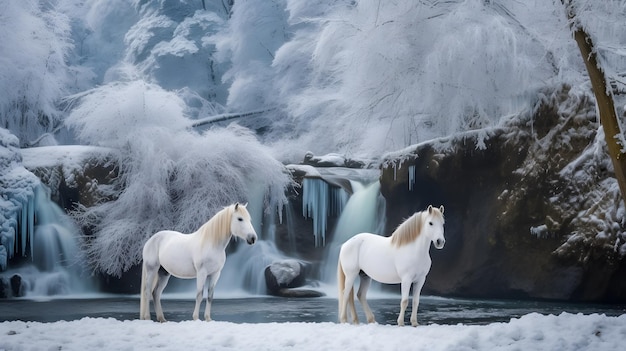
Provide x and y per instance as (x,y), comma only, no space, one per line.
(371,253)
(153,245)
(351,251)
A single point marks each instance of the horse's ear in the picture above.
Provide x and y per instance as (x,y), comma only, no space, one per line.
(430,209)
(245,205)
(236,205)
(441,209)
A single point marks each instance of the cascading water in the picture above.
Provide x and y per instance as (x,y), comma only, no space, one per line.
(47,243)
(364,212)
(243,272)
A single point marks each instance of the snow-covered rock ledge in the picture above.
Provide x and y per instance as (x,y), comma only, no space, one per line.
(75,174)
(532,207)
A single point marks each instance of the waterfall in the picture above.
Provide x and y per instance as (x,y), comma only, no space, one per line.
(364,212)
(46,251)
(325,195)
(244,270)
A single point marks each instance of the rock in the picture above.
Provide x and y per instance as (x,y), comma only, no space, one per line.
(17,286)
(4,257)
(334,160)
(284,274)
(4,288)
(299,293)
(76,175)
(515,199)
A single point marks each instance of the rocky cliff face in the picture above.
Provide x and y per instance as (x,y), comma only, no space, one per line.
(531,208)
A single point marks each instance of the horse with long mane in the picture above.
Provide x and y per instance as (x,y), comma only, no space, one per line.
(401,258)
(199,255)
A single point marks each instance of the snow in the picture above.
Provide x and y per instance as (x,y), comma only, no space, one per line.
(68,156)
(530,332)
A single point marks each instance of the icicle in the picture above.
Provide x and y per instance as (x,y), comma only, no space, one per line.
(411,177)
(319,201)
(21,242)
(31,221)
(315,205)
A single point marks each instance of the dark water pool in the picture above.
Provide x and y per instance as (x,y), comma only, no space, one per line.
(272,309)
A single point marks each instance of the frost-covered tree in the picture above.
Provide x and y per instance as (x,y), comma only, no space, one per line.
(170,45)
(366,76)
(171,177)
(34,75)
(602,83)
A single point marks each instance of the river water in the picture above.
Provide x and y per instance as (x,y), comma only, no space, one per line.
(273,309)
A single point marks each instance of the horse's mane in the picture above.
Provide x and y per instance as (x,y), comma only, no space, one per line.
(217,228)
(409,230)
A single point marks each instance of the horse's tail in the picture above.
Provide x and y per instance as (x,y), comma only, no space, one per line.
(341,285)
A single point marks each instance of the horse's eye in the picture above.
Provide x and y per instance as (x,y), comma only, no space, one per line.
(240,219)
(430,223)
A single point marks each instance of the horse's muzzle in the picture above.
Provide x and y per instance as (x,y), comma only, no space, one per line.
(251,239)
(439,243)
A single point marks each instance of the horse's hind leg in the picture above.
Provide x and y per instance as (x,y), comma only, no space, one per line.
(163,278)
(147,287)
(348,300)
(362,295)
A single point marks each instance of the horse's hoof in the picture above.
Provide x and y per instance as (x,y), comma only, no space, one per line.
(162,320)
(415,324)
(401,323)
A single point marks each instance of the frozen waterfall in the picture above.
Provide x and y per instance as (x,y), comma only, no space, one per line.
(43,256)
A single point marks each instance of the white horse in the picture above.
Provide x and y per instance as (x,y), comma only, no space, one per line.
(199,255)
(401,258)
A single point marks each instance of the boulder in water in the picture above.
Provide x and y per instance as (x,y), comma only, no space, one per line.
(17,285)
(285,274)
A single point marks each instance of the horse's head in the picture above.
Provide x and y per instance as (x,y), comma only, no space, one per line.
(433,226)
(240,224)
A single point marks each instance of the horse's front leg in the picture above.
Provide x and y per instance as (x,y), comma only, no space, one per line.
(417,288)
(405,287)
(209,298)
(201,278)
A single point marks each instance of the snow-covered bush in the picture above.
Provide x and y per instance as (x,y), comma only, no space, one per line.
(171,177)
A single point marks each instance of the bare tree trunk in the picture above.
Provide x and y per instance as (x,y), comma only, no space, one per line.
(604,98)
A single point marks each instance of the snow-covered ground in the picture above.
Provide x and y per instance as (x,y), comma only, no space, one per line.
(530,332)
